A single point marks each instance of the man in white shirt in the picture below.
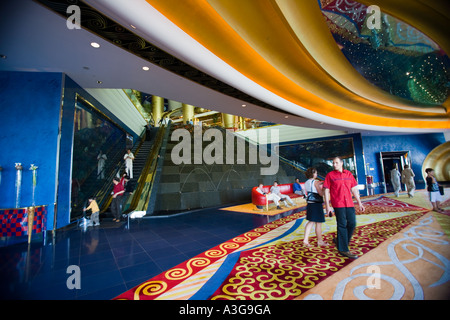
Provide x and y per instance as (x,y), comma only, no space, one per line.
(270,196)
(275,189)
(129,157)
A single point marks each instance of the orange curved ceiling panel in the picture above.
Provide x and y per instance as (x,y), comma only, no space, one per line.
(286,47)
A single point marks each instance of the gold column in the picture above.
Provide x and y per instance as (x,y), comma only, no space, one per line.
(242,123)
(157,109)
(228,120)
(188,112)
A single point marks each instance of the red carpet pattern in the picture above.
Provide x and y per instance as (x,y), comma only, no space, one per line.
(158,285)
(385,204)
(286,270)
(278,270)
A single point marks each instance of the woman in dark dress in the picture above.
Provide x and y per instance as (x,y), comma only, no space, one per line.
(314,210)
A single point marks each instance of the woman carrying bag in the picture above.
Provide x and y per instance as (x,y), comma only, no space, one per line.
(314,207)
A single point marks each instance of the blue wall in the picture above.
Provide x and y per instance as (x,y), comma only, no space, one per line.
(36,127)
(367,149)
(419,146)
(29,122)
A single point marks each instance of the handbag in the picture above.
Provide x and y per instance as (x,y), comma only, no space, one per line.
(441,190)
(314,197)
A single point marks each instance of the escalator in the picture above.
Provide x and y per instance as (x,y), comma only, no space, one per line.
(145,176)
(141,201)
(141,152)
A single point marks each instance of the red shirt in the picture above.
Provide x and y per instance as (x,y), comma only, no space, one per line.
(340,185)
(117,188)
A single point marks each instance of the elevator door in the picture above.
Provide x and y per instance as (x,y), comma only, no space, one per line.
(389,160)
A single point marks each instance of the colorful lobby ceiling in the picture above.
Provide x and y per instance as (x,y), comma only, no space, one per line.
(350,74)
(312,58)
(394,56)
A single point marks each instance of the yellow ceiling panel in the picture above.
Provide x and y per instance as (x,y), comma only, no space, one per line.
(262,40)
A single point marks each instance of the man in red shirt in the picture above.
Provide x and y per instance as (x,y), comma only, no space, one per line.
(118,192)
(339,185)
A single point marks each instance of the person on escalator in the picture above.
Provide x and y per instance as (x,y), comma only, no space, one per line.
(129,157)
(116,202)
(129,185)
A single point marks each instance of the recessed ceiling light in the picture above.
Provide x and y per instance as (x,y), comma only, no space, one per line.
(132,26)
(286,117)
(99,82)
(2,56)
(244,105)
(95,45)
(145,68)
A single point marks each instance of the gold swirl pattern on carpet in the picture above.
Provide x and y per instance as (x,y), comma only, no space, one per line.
(286,270)
(271,261)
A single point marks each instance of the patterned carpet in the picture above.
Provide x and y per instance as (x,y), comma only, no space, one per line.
(271,262)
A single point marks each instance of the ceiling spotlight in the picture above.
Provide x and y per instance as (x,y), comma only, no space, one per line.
(99,82)
(145,68)
(95,45)
(244,105)
(286,117)
(132,26)
(2,56)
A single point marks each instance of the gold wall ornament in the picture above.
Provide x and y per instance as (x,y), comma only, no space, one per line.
(439,160)
(30,220)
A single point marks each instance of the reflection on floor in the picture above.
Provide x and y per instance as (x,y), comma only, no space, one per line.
(114,259)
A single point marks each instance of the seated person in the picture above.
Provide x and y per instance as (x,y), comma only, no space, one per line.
(275,189)
(269,196)
(297,187)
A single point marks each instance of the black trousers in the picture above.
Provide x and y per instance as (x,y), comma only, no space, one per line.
(346,224)
(116,207)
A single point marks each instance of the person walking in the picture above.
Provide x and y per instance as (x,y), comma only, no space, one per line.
(408,179)
(433,189)
(314,207)
(339,185)
(395,180)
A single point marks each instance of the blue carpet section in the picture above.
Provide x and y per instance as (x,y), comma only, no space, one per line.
(222,273)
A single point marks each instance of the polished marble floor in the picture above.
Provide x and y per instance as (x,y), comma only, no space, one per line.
(113,259)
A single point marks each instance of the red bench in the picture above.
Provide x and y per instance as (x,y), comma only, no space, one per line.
(259,200)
